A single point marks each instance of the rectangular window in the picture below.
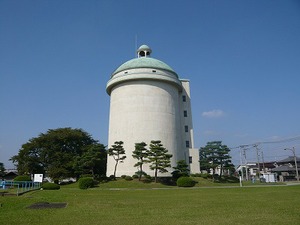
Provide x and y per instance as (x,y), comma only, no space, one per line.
(186,128)
(185,113)
(183,98)
(190,159)
(187,144)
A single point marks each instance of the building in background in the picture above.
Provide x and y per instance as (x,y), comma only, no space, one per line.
(148,101)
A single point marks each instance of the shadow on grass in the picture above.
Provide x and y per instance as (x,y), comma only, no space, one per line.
(47,205)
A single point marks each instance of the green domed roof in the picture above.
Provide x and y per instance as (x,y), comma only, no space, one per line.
(144,62)
(164,72)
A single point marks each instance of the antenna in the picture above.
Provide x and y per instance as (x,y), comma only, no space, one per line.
(135,45)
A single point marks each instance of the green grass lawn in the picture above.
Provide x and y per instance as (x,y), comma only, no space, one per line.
(144,205)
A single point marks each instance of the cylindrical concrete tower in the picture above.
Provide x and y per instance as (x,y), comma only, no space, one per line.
(145,103)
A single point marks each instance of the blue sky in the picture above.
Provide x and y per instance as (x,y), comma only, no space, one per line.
(242,58)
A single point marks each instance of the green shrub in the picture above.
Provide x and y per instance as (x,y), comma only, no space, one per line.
(185,182)
(138,173)
(167,181)
(22,178)
(123,176)
(229,179)
(146,180)
(148,177)
(56,181)
(128,178)
(86,175)
(196,175)
(135,176)
(86,182)
(50,186)
(206,175)
(203,175)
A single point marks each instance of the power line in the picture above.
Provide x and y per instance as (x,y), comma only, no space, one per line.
(268,142)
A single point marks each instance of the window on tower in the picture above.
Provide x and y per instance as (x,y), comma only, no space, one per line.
(183,98)
(186,128)
(185,113)
(187,144)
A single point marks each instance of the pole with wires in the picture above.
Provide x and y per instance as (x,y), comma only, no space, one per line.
(258,165)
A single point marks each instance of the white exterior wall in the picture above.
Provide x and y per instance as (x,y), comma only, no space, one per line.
(191,154)
(194,165)
(142,110)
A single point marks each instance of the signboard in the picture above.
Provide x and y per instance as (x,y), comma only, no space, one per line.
(38,178)
(270,177)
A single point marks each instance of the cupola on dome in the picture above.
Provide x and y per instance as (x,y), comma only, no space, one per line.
(144,51)
(144,61)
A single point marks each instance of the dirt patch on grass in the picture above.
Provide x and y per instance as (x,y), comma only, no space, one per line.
(47,205)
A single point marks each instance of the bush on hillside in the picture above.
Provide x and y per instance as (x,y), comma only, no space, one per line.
(128,178)
(123,176)
(148,177)
(167,181)
(135,176)
(50,186)
(146,180)
(86,175)
(142,173)
(86,182)
(185,182)
(22,178)
(229,179)
(203,175)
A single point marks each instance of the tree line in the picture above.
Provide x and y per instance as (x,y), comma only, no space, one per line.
(156,156)
(62,153)
(66,152)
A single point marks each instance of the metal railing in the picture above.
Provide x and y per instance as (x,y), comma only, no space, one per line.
(19,187)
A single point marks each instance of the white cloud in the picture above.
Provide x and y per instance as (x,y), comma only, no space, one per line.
(216,113)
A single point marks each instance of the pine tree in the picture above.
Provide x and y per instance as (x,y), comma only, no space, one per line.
(140,153)
(214,155)
(159,158)
(116,151)
(181,170)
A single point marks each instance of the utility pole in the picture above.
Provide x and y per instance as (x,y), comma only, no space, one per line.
(295,159)
(258,166)
(241,162)
(245,161)
(243,147)
(263,161)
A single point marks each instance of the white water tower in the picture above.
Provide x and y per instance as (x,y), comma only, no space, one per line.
(149,102)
